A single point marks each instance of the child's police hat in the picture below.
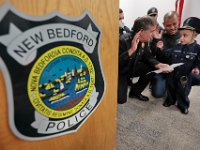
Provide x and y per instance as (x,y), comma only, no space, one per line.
(191,23)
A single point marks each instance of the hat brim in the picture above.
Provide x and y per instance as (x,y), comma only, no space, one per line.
(189,28)
(152,14)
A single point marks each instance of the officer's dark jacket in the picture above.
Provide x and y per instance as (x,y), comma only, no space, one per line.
(145,55)
(168,41)
(124,30)
(187,54)
(124,58)
(142,54)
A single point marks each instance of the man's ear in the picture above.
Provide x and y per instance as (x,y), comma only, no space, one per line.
(141,31)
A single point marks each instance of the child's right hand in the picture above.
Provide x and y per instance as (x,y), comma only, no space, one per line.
(196,71)
(160,44)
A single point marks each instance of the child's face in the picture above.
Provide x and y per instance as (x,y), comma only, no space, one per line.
(187,36)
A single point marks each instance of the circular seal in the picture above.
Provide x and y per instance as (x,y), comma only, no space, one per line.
(61,82)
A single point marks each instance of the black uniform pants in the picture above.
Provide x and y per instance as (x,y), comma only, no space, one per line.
(122,89)
(177,91)
(141,71)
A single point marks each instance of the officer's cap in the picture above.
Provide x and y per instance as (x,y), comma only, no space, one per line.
(152,11)
(191,23)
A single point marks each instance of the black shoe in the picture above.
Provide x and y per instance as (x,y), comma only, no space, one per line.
(183,110)
(138,96)
(166,104)
(121,101)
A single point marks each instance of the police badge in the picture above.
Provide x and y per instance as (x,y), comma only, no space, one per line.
(52,69)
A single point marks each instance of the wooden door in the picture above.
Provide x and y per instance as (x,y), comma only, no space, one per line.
(98,132)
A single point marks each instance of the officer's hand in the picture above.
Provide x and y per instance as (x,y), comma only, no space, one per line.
(161,65)
(157,34)
(196,71)
(134,43)
(164,67)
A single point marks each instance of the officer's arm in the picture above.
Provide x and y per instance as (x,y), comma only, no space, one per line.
(149,58)
(197,66)
(123,53)
(166,55)
(124,58)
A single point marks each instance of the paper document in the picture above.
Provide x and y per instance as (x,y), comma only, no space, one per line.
(169,68)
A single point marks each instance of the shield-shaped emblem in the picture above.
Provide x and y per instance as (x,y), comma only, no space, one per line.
(52,69)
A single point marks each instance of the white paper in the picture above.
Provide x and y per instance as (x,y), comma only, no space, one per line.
(168,68)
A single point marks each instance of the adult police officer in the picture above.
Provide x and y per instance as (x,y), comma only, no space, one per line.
(153,12)
(122,28)
(144,63)
(127,46)
(132,47)
(188,53)
(170,38)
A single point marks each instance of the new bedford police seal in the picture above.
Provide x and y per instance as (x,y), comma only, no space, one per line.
(52,72)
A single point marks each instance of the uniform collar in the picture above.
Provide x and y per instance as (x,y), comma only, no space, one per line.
(194,43)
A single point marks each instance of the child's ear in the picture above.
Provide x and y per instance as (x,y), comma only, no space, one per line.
(195,34)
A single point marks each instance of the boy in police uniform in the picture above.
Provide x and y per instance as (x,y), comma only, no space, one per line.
(188,53)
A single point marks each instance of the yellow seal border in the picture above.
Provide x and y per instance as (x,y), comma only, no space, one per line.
(36,71)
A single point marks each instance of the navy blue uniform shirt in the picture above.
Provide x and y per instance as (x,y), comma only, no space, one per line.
(187,54)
